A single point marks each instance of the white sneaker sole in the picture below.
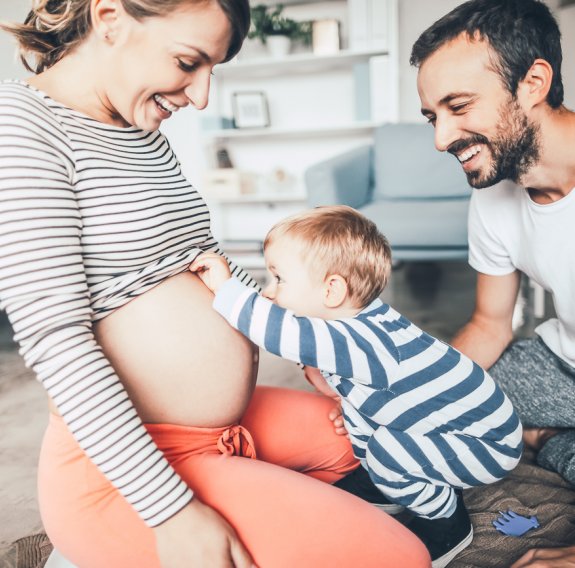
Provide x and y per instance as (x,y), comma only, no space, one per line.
(390,508)
(449,556)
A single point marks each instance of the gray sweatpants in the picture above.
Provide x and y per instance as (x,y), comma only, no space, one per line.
(542,389)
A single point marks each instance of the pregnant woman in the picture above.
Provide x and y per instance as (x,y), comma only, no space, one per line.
(159,451)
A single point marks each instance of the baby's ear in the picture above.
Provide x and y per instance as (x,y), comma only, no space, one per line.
(335,291)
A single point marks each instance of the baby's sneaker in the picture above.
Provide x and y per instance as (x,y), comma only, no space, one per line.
(359,483)
(444,538)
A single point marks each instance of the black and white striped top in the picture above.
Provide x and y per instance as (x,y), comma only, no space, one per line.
(91,216)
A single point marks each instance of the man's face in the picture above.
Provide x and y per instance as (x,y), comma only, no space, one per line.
(475,117)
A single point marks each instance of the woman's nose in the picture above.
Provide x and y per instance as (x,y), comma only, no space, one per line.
(198,90)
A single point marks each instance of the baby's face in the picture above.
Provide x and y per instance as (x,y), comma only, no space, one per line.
(293,284)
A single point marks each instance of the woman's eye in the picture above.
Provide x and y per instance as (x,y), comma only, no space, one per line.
(277,278)
(187,67)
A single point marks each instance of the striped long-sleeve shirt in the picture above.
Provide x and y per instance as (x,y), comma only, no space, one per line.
(446,417)
(91,216)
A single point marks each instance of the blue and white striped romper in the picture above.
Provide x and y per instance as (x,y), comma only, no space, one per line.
(422,417)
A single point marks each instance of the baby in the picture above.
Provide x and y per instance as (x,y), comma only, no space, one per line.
(424,420)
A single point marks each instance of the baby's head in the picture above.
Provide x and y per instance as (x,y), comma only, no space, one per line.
(329,255)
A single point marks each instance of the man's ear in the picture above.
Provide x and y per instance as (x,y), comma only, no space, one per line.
(534,87)
(105,16)
(335,291)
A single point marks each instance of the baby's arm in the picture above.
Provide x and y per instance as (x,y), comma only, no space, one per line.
(213,270)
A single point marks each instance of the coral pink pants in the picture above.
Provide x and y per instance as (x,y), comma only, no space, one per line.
(251,473)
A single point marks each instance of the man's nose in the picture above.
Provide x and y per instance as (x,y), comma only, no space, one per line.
(198,90)
(446,133)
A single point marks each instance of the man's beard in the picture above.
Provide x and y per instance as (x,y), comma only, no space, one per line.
(514,149)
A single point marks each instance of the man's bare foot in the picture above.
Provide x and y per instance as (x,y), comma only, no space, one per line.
(535,438)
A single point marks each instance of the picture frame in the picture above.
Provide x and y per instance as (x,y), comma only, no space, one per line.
(250,109)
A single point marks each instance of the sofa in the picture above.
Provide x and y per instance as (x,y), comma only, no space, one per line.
(417,196)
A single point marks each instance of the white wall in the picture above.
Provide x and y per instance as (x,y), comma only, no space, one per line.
(567,24)
(10,66)
(414,17)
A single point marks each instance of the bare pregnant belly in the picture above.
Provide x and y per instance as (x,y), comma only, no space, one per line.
(179,359)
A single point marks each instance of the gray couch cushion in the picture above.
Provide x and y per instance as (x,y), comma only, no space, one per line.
(407,165)
(423,226)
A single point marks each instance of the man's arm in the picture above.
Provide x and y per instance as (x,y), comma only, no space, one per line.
(489,330)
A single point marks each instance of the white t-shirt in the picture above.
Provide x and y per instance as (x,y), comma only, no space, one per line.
(508,231)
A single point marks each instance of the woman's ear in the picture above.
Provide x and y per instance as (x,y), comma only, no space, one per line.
(534,87)
(105,16)
(335,291)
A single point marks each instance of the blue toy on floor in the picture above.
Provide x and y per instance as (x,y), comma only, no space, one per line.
(512,524)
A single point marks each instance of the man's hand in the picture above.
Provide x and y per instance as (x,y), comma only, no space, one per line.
(199,536)
(315,378)
(535,438)
(213,269)
(547,558)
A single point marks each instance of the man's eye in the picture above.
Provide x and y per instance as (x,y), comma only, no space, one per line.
(187,67)
(431,120)
(459,108)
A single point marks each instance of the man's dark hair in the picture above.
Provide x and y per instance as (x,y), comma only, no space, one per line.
(518,32)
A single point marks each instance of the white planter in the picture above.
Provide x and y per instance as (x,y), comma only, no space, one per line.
(278,45)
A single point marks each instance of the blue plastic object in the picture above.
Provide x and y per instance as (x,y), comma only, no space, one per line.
(512,524)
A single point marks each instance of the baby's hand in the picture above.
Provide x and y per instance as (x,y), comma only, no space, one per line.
(336,417)
(315,378)
(213,270)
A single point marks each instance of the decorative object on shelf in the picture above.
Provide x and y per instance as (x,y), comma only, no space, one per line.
(278,180)
(225,183)
(250,109)
(223,158)
(325,37)
(276,31)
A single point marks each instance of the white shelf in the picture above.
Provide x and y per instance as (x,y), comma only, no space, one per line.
(337,130)
(258,198)
(296,63)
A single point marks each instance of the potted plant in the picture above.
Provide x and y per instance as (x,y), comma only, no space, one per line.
(276,31)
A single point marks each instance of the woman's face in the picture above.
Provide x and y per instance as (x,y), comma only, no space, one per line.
(160,64)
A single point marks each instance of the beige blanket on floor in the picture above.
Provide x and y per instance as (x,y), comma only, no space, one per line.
(528,490)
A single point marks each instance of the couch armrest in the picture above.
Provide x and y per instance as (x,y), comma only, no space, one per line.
(345,179)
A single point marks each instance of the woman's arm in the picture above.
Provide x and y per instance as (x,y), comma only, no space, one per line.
(44,291)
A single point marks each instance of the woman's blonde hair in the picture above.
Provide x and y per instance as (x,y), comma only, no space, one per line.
(340,240)
(54,27)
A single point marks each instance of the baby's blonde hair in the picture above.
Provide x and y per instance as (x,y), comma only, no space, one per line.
(339,240)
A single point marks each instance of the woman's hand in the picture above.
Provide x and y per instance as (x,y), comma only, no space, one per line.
(199,536)
(315,378)
(212,268)
(547,558)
